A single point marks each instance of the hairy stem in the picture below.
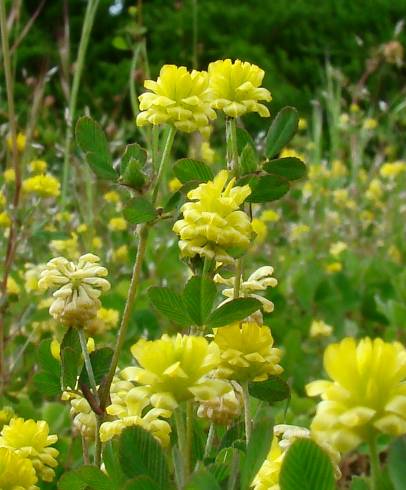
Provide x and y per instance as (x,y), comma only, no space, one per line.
(165,157)
(375,463)
(247,414)
(90,14)
(182,442)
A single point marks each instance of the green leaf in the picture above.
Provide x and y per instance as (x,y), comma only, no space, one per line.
(244,139)
(85,478)
(139,210)
(282,130)
(46,360)
(265,188)
(257,450)
(233,311)
(92,141)
(141,454)
(248,160)
(188,169)
(274,389)
(291,168)
(170,304)
(202,480)
(111,461)
(47,383)
(396,463)
(71,353)
(198,296)
(358,483)
(100,359)
(141,483)
(306,466)
(173,202)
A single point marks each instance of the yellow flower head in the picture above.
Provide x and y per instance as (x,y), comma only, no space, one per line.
(42,185)
(223,409)
(2,200)
(127,408)
(392,170)
(214,221)
(247,352)
(16,472)
(302,125)
(179,97)
(236,88)
(9,175)
(270,215)
(97,243)
(106,319)
(21,142)
(338,169)
(337,248)
(290,152)
(118,224)
(31,276)
(55,347)
(260,229)
(6,414)
(367,392)
(31,440)
(38,166)
(297,230)
(12,286)
(120,255)
(84,419)
(375,190)
(175,369)
(112,197)
(79,287)
(318,328)
(174,184)
(369,124)
(333,267)
(5,220)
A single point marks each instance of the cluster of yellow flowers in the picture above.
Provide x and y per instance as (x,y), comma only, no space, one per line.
(188,99)
(213,222)
(26,454)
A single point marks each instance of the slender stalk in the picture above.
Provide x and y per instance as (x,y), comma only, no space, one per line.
(237,278)
(232,148)
(189,436)
(375,463)
(182,442)
(165,157)
(85,450)
(90,14)
(88,364)
(247,415)
(98,448)
(209,441)
(235,465)
(143,231)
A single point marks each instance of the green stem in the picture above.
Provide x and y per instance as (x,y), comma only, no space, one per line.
(235,466)
(90,14)
(98,448)
(88,364)
(247,415)
(143,231)
(237,278)
(375,463)
(189,436)
(182,442)
(210,440)
(232,148)
(165,157)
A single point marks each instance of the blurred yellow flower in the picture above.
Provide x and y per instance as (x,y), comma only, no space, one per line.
(31,277)
(117,224)
(354,108)
(207,153)
(5,220)
(174,369)
(270,215)
(84,419)
(68,247)
(394,254)
(12,286)
(106,319)
(319,328)
(112,197)
(236,88)
(97,243)
(2,200)
(370,123)
(302,125)
(78,288)
(214,222)
(37,166)
(21,142)
(333,267)
(337,248)
(42,185)
(341,198)
(6,414)
(367,216)
(338,169)
(16,472)
(174,184)
(298,230)
(366,395)
(9,175)
(247,352)
(120,255)
(375,190)
(392,170)
(260,229)
(31,440)
(290,152)
(178,97)
(82,228)
(55,347)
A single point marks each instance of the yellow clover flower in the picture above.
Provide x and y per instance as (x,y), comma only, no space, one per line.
(179,97)
(246,351)
(38,166)
(84,419)
(31,440)
(367,392)
(32,276)
(214,221)
(16,472)
(236,88)
(79,287)
(117,224)
(68,247)
(5,220)
(319,328)
(223,409)
(175,369)
(2,200)
(42,185)
(392,170)
(106,319)
(21,141)
(9,176)
(128,409)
